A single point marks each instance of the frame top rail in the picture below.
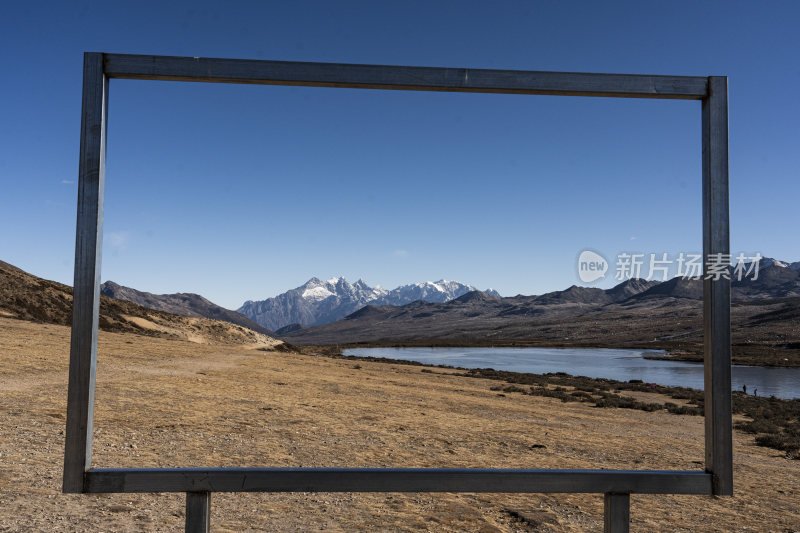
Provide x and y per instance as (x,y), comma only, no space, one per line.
(356,76)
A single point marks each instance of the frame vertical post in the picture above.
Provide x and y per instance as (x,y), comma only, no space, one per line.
(717,292)
(198,512)
(616,513)
(86,292)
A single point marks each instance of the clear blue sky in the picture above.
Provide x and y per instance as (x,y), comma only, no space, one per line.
(242,192)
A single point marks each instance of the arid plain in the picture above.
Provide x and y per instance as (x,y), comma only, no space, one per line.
(167,402)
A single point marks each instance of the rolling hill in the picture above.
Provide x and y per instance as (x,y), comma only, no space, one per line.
(184,304)
(27,297)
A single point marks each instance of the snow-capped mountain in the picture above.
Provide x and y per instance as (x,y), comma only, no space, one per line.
(790,266)
(318,302)
(315,290)
(429,291)
(766,262)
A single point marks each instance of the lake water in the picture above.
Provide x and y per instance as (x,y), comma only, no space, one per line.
(622,365)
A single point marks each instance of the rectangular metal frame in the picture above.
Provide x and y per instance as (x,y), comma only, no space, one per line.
(80,477)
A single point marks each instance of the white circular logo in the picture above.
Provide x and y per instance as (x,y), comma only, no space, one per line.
(591,266)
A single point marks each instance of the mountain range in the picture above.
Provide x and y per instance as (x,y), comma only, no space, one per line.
(318,302)
(765,314)
(665,315)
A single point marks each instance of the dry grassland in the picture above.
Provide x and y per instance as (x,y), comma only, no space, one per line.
(176,403)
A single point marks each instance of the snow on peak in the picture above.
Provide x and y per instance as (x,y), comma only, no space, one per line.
(765,262)
(442,290)
(317,293)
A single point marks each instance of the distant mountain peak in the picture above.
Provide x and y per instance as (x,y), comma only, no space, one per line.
(766,262)
(476,296)
(318,302)
(631,287)
(633,282)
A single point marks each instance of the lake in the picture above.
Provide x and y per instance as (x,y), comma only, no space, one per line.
(622,365)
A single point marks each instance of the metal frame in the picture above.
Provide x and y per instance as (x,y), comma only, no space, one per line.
(198,483)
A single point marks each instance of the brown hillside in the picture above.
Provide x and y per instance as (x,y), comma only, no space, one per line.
(27,297)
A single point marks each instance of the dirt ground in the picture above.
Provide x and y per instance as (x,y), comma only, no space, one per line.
(176,403)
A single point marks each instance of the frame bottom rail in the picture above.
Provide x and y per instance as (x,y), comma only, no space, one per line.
(121,480)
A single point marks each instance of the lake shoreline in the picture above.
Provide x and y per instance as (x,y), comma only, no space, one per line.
(337,352)
(752,355)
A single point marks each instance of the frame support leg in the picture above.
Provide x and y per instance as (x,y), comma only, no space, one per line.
(198,512)
(617,515)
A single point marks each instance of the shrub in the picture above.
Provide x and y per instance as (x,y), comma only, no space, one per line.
(758,426)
